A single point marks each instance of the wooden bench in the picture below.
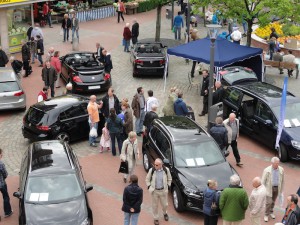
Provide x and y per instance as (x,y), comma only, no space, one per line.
(281,65)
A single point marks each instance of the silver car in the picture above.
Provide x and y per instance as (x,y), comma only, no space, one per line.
(12,95)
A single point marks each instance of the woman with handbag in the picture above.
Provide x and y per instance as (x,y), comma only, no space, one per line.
(130,153)
(120,10)
(211,203)
(115,126)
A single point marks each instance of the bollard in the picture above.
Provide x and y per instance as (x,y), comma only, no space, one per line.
(75,44)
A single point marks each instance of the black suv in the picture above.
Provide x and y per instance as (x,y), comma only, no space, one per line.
(192,156)
(64,118)
(257,106)
(52,189)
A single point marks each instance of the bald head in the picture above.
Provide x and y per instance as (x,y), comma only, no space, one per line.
(256,182)
(93,98)
(218,84)
(158,164)
(232,117)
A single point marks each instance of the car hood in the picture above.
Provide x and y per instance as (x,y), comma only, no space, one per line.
(67,213)
(198,176)
(293,132)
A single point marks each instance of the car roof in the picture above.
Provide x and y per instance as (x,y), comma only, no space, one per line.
(267,92)
(59,102)
(48,157)
(182,128)
(7,74)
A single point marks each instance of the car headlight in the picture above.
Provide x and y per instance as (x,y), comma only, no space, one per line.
(296,144)
(190,191)
(86,222)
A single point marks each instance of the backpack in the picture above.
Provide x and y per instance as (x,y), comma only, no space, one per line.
(153,169)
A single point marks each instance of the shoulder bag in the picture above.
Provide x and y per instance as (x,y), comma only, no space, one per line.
(124,165)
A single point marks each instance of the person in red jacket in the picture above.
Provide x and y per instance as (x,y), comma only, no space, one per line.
(120,10)
(47,13)
(43,95)
(55,62)
(127,37)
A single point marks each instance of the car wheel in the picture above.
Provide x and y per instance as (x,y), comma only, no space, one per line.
(146,162)
(63,136)
(282,153)
(177,199)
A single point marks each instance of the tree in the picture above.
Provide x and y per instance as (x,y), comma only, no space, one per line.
(250,10)
(159,4)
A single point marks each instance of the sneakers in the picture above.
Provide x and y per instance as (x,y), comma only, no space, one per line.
(156,222)
(266,218)
(272,216)
(125,180)
(93,145)
(239,164)
(101,151)
(9,214)
(166,217)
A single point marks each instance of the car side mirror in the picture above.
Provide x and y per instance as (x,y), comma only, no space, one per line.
(17,195)
(269,122)
(166,162)
(88,187)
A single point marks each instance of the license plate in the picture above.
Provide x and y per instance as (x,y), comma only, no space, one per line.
(94,87)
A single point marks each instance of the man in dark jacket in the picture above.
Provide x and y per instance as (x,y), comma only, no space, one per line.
(99,54)
(132,201)
(204,92)
(150,116)
(180,106)
(134,32)
(26,58)
(219,93)
(49,76)
(3,58)
(28,33)
(107,61)
(292,212)
(110,100)
(138,106)
(40,49)
(219,133)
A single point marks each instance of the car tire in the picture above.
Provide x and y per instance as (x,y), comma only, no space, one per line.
(282,153)
(63,136)
(146,162)
(177,199)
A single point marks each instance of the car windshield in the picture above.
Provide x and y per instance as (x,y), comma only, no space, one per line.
(292,114)
(9,86)
(197,154)
(241,75)
(56,188)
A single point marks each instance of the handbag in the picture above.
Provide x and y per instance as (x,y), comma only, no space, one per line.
(173,29)
(123,42)
(93,132)
(124,164)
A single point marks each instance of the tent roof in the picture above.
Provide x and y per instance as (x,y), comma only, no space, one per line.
(226,52)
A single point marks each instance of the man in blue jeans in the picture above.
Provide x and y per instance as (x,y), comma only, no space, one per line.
(138,107)
(178,23)
(3,188)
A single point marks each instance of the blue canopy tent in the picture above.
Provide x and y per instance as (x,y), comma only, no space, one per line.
(226,54)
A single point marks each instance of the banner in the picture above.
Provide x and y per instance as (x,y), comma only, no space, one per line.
(4,2)
(282,112)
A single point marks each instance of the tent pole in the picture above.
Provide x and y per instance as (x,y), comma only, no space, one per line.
(211,80)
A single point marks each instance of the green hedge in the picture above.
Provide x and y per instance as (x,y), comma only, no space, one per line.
(146,6)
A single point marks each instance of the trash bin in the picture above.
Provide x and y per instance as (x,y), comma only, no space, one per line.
(168,13)
(215,111)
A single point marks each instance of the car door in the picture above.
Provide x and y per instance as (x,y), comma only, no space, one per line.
(232,102)
(64,69)
(152,145)
(22,185)
(265,124)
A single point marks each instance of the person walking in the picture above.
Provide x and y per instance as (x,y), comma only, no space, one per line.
(40,49)
(120,10)
(257,201)
(150,116)
(180,108)
(37,31)
(135,32)
(49,76)
(47,13)
(3,188)
(151,101)
(278,57)
(43,95)
(138,107)
(233,131)
(93,111)
(110,101)
(3,58)
(132,201)
(168,108)
(292,212)
(107,61)
(33,49)
(128,119)
(25,58)
(130,153)
(211,195)
(158,181)
(115,127)
(75,27)
(127,37)
(55,62)
(178,23)
(272,47)
(219,133)
(233,202)
(105,141)
(66,25)
(29,30)
(273,180)
(204,92)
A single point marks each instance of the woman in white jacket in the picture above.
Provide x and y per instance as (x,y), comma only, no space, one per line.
(130,153)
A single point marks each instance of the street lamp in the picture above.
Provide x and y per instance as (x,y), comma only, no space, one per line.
(212,32)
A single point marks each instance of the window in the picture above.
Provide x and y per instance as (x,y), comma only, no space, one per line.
(233,96)
(263,111)
(163,144)
(74,111)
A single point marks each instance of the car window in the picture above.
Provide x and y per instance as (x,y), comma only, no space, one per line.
(241,75)
(197,154)
(292,114)
(37,117)
(9,86)
(233,96)
(263,111)
(163,144)
(71,112)
(153,133)
(56,188)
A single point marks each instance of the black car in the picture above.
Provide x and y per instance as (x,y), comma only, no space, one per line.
(234,75)
(192,156)
(64,117)
(84,72)
(52,189)
(148,58)
(257,105)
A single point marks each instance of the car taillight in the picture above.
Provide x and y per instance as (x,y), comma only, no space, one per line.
(77,79)
(19,93)
(137,61)
(43,128)
(106,76)
(162,61)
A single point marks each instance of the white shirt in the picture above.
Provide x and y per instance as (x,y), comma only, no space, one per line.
(236,35)
(289,58)
(151,101)
(257,201)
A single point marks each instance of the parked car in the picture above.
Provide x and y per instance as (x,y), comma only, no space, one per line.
(52,189)
(84,72)
(148,58)
(234,75)
(257,106)
(64,118)
(12,95)
(192,156)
